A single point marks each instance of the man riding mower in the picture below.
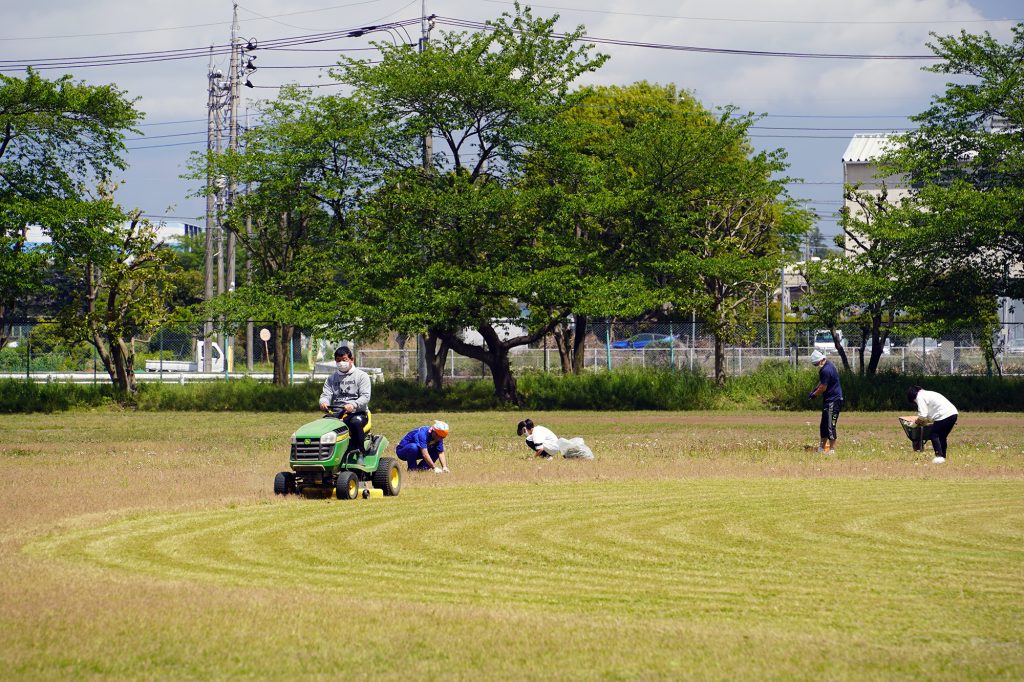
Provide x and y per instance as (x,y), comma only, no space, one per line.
(338,451)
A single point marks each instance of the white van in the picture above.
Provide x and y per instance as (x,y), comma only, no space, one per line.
(824,342)
(886,347)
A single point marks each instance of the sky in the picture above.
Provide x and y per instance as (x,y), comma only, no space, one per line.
(811,107)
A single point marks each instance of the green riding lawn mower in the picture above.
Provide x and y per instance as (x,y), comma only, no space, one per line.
(323,461)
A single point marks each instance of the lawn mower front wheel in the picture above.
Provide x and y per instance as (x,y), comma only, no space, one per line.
(347,487)
(284,483)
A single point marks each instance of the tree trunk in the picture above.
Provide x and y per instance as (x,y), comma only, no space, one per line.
(579,351)
(436,358)
(282,350)
(123,359)
(6,324)
(877,343)
(494,354)
(719,360)
(571,344)
(865,334)
(117,359)
(839,347)
(563,342)
(504,381)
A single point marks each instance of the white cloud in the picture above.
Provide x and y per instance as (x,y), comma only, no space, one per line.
(176,90)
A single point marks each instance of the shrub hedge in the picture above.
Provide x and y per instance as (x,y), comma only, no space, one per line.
(772,387)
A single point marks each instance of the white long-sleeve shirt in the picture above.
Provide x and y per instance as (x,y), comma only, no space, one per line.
(545,438)
(934,406)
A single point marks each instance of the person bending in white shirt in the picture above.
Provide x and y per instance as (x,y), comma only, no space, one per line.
(542,441)
(935,408)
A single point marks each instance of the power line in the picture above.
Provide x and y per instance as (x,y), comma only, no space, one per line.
(768,21)
(805,137)
(123,58)
(180,28)
(157,137)
(851,116)
(167,123)
(303,28)
(117,59)
(171,217)
(170,144)
(863,130)
(767,115)
(298,85)
(327,85)
(478,26)
(321,49)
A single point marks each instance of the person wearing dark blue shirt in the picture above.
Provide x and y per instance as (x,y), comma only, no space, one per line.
(832,395)
(423,448)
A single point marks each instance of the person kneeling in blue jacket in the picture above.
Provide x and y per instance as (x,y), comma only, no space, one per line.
(423,448)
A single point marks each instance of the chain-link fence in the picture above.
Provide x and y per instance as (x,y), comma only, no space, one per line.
(176,354)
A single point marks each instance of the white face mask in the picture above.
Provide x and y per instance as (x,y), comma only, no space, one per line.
(344,365)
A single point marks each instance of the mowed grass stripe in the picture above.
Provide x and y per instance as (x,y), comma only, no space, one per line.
(838,553)
(541,548)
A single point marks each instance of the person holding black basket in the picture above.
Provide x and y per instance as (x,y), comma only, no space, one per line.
(933,409)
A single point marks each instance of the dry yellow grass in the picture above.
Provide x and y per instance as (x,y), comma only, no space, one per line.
(695,545)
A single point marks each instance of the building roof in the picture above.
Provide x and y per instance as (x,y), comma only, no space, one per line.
(867,147)
(164,232)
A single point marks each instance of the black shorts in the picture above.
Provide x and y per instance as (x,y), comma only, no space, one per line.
(829,417)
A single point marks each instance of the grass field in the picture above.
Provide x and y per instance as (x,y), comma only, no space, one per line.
(695,545)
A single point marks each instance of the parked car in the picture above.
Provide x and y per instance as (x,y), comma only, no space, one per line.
(1015,346)
(927,344)
(217,363)
(886,347)
(823,340)
(646,340)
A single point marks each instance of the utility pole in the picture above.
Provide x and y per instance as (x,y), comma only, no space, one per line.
(219,246)
(782,305)
(428,158)
(248,276)
(235,66)
(213,86)
(222,117)
(428,140)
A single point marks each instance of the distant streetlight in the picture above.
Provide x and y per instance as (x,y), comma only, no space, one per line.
(782,304)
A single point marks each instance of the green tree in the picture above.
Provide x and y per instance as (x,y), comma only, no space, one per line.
(965,161)
(56,138)
(307,164)
(939,256)
(666,208)
(873,284)
(576,189)
(456,246)
(699,216)
(122,277)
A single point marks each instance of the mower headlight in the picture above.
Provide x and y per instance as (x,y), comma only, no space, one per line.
(329,438)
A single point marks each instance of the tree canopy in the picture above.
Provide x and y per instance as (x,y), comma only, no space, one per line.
(456,246)
(59,139)
(966,162)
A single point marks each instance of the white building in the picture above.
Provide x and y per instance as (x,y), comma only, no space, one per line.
(167,232)
(860,166)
